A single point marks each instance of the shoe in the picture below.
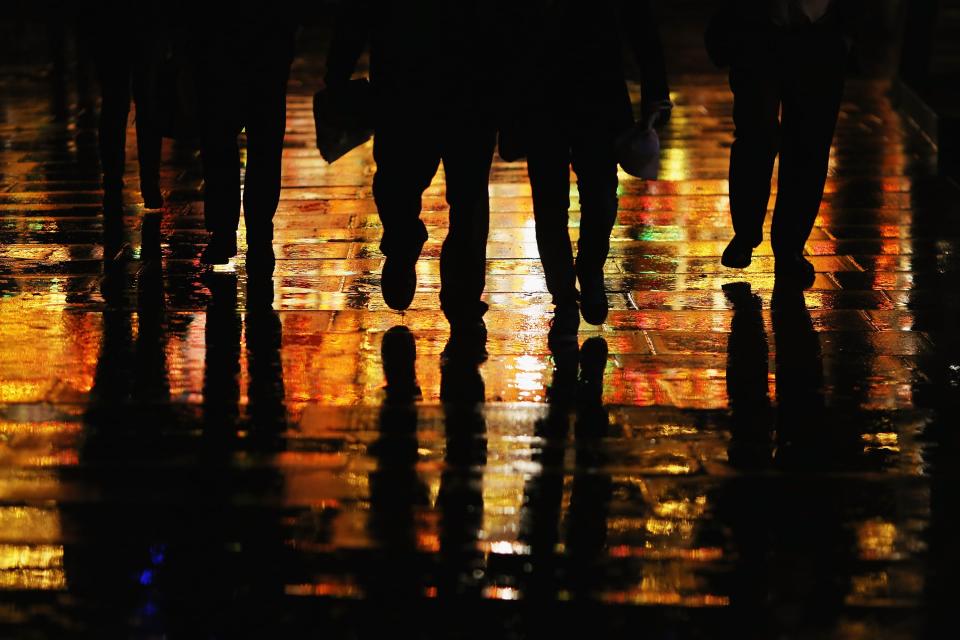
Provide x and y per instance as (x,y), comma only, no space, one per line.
(399,355)
(593,362)
(468,341)
(564,326)
(220,248)
(737,255)
(593,294)
(398,282)
(794,270)
(152,198)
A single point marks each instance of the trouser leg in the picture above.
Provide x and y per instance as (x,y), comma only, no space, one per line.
(595,163)
(406,164)
(811,104)
(145,97)
(467,156)
(113,71)
(548,165)
(756,106)
(265,123)
(221,122)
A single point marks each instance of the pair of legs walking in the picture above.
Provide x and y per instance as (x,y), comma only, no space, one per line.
(590,151)
(786,103)
(120,73)
(243,86)
(408,156)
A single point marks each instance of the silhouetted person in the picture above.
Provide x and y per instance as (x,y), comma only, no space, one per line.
(579,50)
(576,392)
(789,537)
(127,42)
(243,60)
(787,63)
(431,77)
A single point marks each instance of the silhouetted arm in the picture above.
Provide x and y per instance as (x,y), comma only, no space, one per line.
(350,36)
(642,32)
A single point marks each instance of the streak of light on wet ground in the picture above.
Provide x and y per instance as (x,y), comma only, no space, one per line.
(179,451)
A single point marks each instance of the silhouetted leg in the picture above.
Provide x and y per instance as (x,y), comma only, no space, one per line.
(219,82)
(463,259)
(145,96)
(811,104)
(595,163)
(113,71)
(406,161)
(266,123)
(756,107)
(548,165)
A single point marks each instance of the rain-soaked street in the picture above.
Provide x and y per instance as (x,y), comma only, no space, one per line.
(184,452)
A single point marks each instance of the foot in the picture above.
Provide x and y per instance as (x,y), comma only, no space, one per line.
(152,198)
(220,248)
(468,340)
(564,326)
(398,283)
(794,270)
(737,255)
(593,362)
(593,294)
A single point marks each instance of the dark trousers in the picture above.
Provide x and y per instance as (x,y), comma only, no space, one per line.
(592,155)
(242,80)
(129,64)
(408,156)
(786,101)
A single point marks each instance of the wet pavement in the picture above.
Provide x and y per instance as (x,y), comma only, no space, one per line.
(193,454)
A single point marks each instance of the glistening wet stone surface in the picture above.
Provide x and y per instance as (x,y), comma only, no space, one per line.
(184,454)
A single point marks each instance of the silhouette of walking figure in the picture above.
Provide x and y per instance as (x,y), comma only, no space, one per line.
(579,49)
(430,76)
(127,47)
(243,63)
(787,60)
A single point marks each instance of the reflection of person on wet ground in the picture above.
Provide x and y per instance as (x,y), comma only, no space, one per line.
(116,543)
(581,573)
(579,50)
(791,547)
(430,77)
(127,42)
(787,61)
(396,577)
(460,500)
(242,61)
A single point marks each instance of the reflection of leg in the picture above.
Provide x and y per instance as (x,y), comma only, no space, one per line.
(756,107)
(460,499)
(592,486)
(747,371)
(466,163)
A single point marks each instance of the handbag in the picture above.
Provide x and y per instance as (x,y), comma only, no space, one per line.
(638,149)
(343,118)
